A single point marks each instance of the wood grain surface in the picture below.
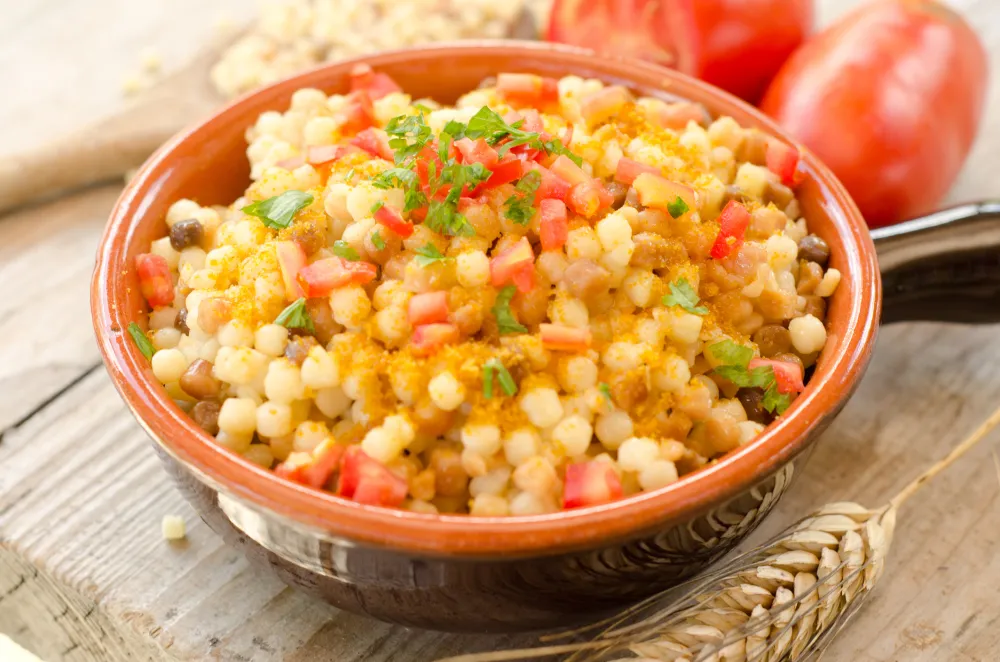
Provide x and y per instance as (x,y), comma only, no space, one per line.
(85,574)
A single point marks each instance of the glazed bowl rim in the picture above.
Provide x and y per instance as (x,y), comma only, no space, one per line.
(467,535)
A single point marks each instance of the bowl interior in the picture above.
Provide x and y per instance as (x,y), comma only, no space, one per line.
(208,164)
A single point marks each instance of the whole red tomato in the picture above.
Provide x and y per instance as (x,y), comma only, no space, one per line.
(735,44)
(890,97)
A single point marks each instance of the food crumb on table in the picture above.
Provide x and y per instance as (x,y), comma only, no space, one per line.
(173,527)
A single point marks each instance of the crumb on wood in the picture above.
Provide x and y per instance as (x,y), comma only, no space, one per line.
(173,528)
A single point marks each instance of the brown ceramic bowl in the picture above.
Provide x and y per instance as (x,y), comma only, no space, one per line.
(461,572)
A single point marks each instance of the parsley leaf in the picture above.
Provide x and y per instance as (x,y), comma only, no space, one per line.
(521,208)
(606,392)
(343,250)
(377,241)
(455,129)
(404,129)
(277,212)
(141,340)
(295,316)
(429,254)
(443,218)
(395,178)
(506,322)
(677,208)
(422,108)
(492,368)
(683,295)
(375,207)
(736,359)
(486,123)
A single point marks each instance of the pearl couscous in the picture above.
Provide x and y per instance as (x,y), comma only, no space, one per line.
(550,295)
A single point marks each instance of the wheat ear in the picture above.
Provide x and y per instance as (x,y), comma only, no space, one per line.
(783,601)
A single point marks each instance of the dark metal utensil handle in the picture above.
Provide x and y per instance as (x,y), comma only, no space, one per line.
(942,267)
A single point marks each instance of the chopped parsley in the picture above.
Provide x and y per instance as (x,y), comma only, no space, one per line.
(735,360)
(295,316)
(429,254)
(520,207)
(277,212)
(677,208)
(683,295)
(349,176)
(375,207)
(606,392)
(343,250)
(489,125)
(395,178)
(377,241)
(506,322)
(408,135)
(494,368)
(141,340)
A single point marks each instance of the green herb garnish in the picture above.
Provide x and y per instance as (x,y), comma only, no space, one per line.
(506,322)
(409,134)
(683,295)
(375,207)
(295,316)
(606,392)
(521,208)
(429,254)
(735,360)
(492,368)
(278,212)
(141,340)
(343,250)
(677,208)
(377,241)
(489,125)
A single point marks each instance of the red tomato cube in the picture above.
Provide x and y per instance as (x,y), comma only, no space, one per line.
(564,168)
(551,185)
(566,338)
(324,276)
(376,84)
(393,221)
(375,142)
(783,160)
(368,481)
(515,264)
(527,89)
(553,224)
(291,260)
(660,193)
(589,197)
(590,484)
(428,308)
(733,223)
(429,338)
(787,374)
(476,151)
(628,170)
(358,112)
(155,282)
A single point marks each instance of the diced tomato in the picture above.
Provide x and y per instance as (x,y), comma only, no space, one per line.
(318,470)
(476,151)
(514,264)
(427,156)
(553,224)
(505,171)
(589,197)
(324,276)
(291,163)
(590,484)
(393,221)
(376,84)
(783,160)
(532,121)
(365,480)
(787,374)
(375,142)
(551,185)
(733,222)
(604,104)
(628,170)
(527,90)
(155,282)
(291,260)
(677,115)
(358,112)
(565,169)
(660,193)
(428,308)
(567,338)
(320,154)
(429,338)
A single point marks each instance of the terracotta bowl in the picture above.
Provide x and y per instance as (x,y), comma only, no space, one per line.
(460,572)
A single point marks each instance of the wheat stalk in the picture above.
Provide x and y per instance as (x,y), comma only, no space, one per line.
(783,601)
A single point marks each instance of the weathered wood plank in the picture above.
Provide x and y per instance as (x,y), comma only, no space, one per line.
(85,576)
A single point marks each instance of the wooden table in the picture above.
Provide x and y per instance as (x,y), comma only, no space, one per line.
(84,573)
